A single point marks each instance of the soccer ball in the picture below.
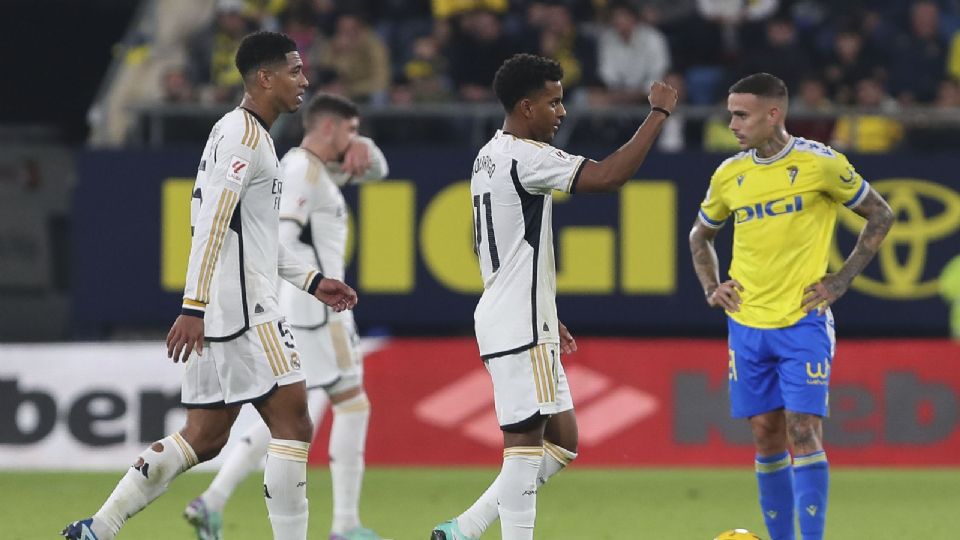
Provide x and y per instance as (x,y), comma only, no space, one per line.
(737,534)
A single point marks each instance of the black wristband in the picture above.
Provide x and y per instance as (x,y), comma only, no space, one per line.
(661,109)
(314,283)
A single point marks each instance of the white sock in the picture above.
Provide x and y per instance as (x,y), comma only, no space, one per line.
(478,518)
(244,458)
(348,437)
(144,482)
(285,488)
(239,462)
(517,491)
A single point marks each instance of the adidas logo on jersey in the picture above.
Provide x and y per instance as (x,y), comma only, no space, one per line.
(545,327)
(258,309)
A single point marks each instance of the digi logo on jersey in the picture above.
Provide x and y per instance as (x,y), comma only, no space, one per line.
(776,207)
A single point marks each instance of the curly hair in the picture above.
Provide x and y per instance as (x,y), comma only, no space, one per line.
(260,48)
(522,75)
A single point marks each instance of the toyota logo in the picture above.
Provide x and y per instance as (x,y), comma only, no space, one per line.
(926,212)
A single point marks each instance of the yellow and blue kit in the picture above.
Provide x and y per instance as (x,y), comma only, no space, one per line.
(784,210)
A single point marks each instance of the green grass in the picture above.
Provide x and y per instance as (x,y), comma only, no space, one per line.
(580,504)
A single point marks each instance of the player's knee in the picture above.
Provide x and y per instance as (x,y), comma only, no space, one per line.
(209,446)
(344,387)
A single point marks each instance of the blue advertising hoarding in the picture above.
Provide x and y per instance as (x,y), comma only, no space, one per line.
(623,262)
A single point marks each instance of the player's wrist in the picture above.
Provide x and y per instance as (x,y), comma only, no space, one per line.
(314,283)
(656,108)
(193,308)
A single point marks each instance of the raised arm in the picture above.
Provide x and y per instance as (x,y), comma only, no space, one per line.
(614,171)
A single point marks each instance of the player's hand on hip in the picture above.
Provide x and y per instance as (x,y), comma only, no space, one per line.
(336,294)
(662,95)
(726,296)
(185,335)
(568,345)
(356,160)
(823,293)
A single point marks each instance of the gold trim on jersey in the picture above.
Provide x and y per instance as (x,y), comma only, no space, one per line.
(276,342)
(543,378)
(573,174)
(268,349)
(194,303)
(523,451)
(218,231)
(251,131)
(310,276)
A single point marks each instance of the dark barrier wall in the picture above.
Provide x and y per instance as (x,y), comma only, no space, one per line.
(623,262)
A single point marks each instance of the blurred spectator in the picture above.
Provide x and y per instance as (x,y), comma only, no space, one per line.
(811,97)
(781,55)
(631,56)
(444,9)
(424,78)
(177,87)
(560,40)
(212,54)
(738,21)
(938,136)
(477,49)
(918,58)
(849,61)
(360,59)
(869,133)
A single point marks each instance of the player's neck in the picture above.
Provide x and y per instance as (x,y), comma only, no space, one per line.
(313,144)
(266,113)
(773,145)
(516,129)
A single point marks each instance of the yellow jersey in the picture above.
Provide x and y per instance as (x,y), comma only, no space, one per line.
(784,210)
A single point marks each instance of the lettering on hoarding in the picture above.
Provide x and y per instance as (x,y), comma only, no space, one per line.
(914,412)
(390,240)
(87,417)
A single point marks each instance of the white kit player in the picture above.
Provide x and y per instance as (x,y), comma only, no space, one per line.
(518,332)
(231,302)
(313,224)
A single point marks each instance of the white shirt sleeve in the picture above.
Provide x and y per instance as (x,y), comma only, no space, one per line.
(550,169)
(219,196)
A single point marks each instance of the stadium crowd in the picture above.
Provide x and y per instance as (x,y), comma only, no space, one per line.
(879,56)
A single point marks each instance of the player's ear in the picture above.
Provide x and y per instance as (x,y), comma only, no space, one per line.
(526,107)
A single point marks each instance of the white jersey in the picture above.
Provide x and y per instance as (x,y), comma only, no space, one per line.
(512,185)
(235,253)
(312,199)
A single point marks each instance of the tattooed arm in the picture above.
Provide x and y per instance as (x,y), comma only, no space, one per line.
(879,217)
(707,267)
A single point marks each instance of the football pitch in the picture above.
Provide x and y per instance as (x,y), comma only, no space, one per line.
(580,504)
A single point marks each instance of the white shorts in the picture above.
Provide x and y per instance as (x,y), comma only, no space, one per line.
(331,353)
(242,370)
(527,383)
